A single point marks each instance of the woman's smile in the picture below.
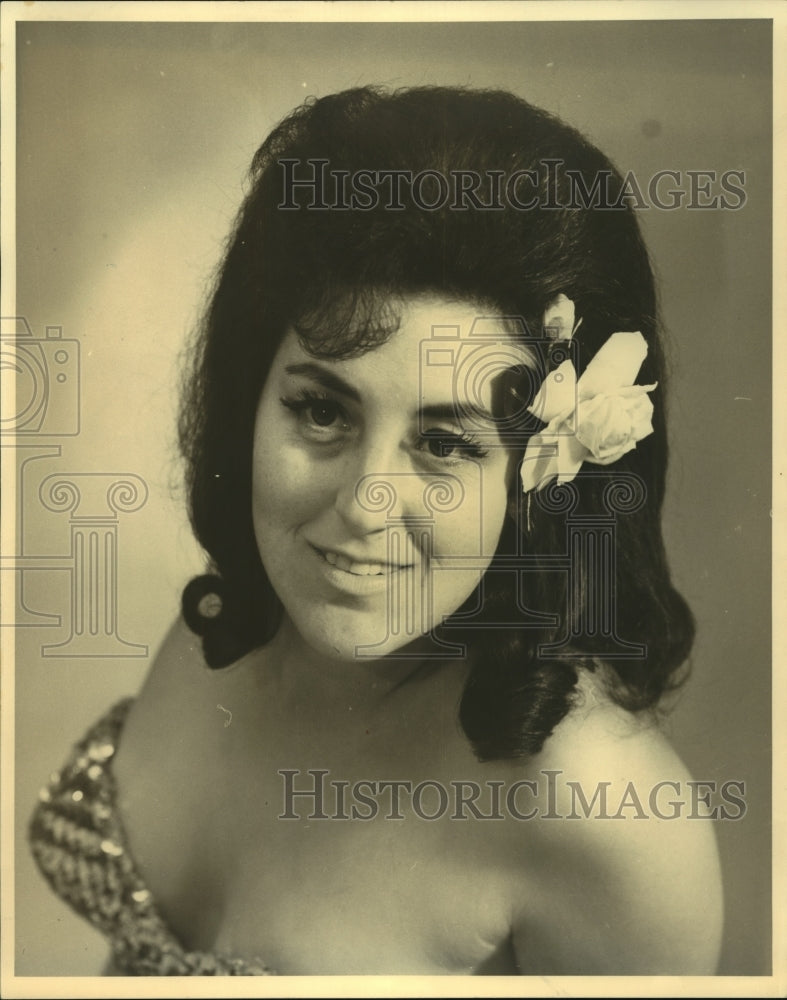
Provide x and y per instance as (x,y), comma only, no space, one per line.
(358,577)
(360,567)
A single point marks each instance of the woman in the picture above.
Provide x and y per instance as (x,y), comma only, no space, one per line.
(426,451)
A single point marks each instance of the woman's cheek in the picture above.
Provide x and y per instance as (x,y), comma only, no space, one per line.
(495,508)
(475,526)
(287,483)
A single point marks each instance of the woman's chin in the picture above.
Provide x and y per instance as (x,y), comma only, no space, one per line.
(346,646)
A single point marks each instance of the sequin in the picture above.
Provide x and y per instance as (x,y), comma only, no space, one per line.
(141,895)
(44,795)
(111,848)
(101,751)
(94,772)
(77,796)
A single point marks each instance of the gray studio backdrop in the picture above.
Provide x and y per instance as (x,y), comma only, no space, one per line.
(133,141)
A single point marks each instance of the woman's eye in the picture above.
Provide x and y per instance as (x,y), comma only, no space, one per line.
(443,444)
(318,419)
(324,413)
(441,447)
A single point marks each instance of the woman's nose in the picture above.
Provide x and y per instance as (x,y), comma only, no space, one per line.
(374,490)
(380,489)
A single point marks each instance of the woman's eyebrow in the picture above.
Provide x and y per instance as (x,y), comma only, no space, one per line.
(457,412)
(448,411)
(325,377)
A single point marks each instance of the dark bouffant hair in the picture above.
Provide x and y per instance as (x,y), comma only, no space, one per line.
(329,272)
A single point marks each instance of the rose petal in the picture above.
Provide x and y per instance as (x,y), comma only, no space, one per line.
(635,390)
(615,365)
(551,455)
(558,393)
(609,459)
(539,463)
(571,453)
(605,423)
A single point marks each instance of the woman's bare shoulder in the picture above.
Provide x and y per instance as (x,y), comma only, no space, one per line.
(180,651)
(163,706)
(630,880)
(180,703)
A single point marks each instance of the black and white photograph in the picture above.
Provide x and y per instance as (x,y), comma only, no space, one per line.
(391,494)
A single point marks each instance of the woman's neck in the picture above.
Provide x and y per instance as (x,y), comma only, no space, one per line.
(311,681)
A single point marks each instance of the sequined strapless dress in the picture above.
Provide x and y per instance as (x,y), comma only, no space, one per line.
(80,846)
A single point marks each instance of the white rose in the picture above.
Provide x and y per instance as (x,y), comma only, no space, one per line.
(597,418)
(610,424)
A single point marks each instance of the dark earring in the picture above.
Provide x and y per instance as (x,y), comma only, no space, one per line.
(202,602)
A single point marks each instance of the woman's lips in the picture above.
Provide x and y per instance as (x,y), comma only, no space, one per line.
(357,567)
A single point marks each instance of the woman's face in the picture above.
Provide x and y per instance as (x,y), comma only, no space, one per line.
(380,482)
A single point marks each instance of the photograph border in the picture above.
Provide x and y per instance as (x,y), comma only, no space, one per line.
(13,986)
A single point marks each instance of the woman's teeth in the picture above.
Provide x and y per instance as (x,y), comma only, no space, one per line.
(356,568)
